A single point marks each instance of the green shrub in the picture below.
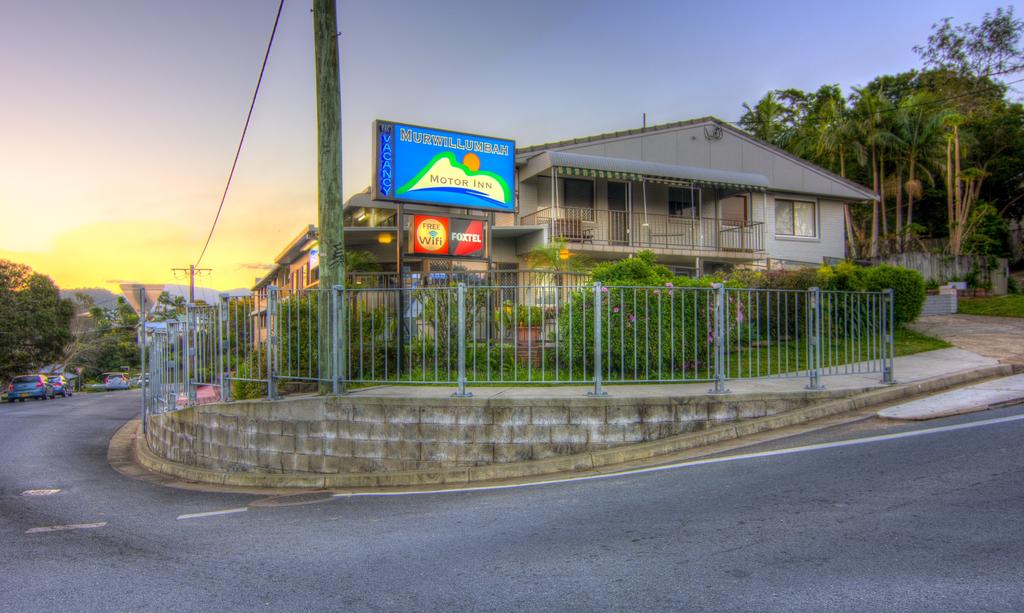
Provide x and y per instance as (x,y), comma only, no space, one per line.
(907,285)
(298,335)
(645,331)
(640,270)
(253,368)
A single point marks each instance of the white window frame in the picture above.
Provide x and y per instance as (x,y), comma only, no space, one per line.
(816,237)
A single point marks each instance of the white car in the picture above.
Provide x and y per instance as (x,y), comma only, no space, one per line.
(115,381)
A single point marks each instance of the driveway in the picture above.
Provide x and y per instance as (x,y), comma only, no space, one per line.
(995,337)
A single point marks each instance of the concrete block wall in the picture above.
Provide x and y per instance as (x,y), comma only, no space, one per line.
(353,434)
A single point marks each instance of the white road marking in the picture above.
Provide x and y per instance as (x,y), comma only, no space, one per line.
(65,527)
(744,456)
(46,492)
(211,513)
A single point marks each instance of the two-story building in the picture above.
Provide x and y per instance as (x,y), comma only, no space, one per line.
(700,194)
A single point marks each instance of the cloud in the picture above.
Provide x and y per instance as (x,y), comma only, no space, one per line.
(254,266)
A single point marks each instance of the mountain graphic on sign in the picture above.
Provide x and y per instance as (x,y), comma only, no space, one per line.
(444,173)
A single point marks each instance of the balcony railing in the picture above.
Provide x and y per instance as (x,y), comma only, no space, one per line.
(603,227)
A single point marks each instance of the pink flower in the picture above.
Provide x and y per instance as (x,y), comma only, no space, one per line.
(669,285)
(604,289)
(615,310)
(631,318)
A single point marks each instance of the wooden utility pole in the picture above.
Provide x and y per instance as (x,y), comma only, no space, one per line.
(328,124)
(191,271)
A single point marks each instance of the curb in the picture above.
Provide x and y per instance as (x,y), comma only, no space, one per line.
(589,461)
(974,408)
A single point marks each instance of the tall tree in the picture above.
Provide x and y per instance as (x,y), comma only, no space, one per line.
(989,48)
(872,117)
(962,188)
(767,119)
(919,125)
(35,322)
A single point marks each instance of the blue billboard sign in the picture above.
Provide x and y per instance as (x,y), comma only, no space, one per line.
(428,166)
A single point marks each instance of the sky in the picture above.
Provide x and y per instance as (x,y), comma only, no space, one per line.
(119,119)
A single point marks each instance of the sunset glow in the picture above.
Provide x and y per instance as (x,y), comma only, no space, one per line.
(120,119)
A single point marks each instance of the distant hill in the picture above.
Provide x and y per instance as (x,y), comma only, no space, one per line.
(206,294)
(102,297)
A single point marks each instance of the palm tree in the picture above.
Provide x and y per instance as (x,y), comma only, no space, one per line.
(920,126)
(766,119)
(873,120)
(555,257)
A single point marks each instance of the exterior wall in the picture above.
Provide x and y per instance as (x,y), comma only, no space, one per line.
(339,434)
(503,250)
(831,230)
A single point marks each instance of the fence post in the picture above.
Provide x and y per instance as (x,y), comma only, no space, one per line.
(190,350)
(339,335)
(224,345)
(598,375)
(888,374)
(142,355)
(271,339)
(461,391)
(719,342)
(814,338)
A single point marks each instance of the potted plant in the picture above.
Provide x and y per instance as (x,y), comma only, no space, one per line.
(527,321)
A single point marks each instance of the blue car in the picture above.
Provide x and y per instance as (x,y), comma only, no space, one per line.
(29,386)
(60,386)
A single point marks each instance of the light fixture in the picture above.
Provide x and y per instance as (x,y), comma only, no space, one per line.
(362,215)
(384,238)
(563,253)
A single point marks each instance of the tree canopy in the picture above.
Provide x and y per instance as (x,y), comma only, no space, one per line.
(934,143)
(35,322)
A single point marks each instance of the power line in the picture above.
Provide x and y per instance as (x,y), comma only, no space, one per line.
(245,128)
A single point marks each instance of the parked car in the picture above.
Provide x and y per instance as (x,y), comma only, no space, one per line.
(60,386)
(29,386)
(115,381)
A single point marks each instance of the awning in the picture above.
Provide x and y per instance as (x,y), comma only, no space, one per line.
(579,165)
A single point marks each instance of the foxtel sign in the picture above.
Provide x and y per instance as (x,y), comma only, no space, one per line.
(428,166)
(440,235)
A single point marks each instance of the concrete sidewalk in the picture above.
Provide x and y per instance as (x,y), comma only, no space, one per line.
(965,400)
(908,369)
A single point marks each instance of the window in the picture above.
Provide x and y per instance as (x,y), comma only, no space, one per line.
(682,202)
(577,193)
(795,218)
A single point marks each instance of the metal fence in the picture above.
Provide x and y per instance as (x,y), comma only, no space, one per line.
(277,342)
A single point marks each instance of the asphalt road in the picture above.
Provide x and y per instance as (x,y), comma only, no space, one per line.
(929,522)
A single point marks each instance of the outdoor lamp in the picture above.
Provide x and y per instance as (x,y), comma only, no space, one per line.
(563,253)
(384,238)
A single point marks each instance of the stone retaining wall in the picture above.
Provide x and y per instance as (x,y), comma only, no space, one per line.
(353,434)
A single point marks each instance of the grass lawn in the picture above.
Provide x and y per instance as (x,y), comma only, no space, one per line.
(997,306)
(908,342)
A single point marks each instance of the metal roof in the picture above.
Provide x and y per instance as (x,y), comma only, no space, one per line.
(637,168)
(607,135)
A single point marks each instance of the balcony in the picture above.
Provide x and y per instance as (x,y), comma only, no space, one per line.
(620,228)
